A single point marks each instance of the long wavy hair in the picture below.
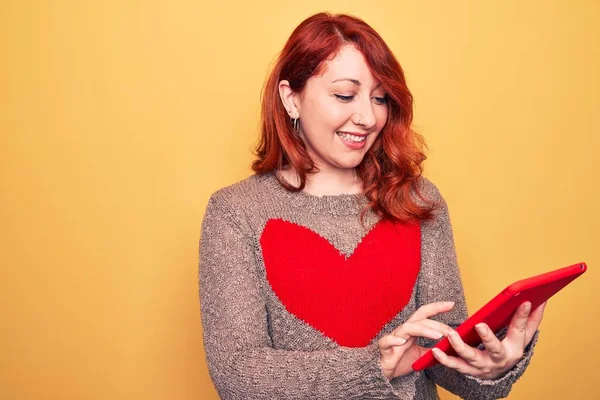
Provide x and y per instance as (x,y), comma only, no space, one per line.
(391,169)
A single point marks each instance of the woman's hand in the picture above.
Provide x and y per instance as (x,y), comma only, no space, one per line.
(399,350)
(498,356)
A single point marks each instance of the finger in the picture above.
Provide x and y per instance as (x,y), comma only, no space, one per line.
(419,351)
(439,326)
(540,309)
(517,329)
(537,314)
(492,344)
(431,309)
(387,342)
(466,352)
(533,322)
(454,362)
(417,329)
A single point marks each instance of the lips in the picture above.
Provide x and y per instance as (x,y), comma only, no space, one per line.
(354,134)
(353,140)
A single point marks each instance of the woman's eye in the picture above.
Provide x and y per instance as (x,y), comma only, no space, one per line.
(380,100)
(344,98)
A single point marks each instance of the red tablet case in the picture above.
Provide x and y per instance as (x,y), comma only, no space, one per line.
(498,312)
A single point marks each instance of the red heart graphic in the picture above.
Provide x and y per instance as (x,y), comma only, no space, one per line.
(347,299)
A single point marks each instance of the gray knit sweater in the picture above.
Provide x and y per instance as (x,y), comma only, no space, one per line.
(270,332)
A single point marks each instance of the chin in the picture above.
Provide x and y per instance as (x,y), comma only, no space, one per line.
(350,162)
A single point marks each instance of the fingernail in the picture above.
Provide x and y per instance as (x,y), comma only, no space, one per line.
(527,307)
(480,329)
(452,335)
(402,341)
(436,352)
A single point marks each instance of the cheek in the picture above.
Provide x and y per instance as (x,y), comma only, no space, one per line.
(372,138)
(381,118)
(332,116)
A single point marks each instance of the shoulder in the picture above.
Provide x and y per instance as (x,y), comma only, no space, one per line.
(440,218)
(428,192)
(242,198)
(239,193)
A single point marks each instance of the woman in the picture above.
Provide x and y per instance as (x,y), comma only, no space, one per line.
(324,274)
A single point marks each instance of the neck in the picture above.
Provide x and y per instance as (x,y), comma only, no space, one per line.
(327,182)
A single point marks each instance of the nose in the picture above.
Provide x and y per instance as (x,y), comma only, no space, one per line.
(364,115)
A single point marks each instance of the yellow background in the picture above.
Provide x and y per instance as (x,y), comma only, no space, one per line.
(119,118)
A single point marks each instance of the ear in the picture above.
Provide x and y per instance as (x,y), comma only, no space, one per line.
(289,99)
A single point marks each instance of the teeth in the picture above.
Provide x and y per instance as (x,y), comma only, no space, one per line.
(351,138)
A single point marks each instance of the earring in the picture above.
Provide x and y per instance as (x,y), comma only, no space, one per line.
(295,123)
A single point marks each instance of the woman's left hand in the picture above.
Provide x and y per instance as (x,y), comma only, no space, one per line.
(498,356)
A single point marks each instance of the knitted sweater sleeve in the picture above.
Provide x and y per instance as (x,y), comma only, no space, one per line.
(440,281)
(242,361)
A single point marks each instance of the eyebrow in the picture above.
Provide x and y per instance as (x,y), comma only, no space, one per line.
(355,81)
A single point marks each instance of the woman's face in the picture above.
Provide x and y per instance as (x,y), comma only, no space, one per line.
(341,111)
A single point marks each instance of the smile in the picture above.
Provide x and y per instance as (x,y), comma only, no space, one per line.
(352,138)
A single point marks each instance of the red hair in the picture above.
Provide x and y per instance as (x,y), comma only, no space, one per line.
(391,169)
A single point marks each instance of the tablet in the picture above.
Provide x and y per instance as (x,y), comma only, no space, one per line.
(498,312)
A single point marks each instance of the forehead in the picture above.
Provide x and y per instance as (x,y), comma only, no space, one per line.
(348,63)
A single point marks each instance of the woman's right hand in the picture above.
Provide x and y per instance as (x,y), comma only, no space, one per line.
(399,350)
